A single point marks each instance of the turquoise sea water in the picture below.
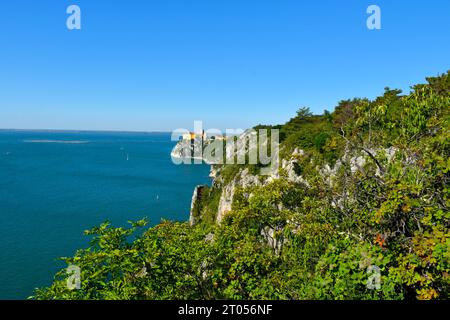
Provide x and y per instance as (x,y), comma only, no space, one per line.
(55,185)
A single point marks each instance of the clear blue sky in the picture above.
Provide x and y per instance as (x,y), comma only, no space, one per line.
(157,65)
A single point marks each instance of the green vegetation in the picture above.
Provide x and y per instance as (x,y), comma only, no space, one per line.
(384,203)
(206,211)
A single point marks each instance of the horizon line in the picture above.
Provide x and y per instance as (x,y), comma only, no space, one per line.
(82,130)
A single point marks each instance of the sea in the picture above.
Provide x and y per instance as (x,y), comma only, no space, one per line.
(56,184)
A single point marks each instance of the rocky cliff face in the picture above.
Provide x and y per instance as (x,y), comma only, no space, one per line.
(196,198)
(243,179)
(288,170)
(187,150)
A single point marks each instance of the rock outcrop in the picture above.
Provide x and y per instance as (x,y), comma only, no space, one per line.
(290,167)
(243,179)
(196,199)
(187,150)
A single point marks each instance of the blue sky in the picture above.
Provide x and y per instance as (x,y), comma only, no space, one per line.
(157,65)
